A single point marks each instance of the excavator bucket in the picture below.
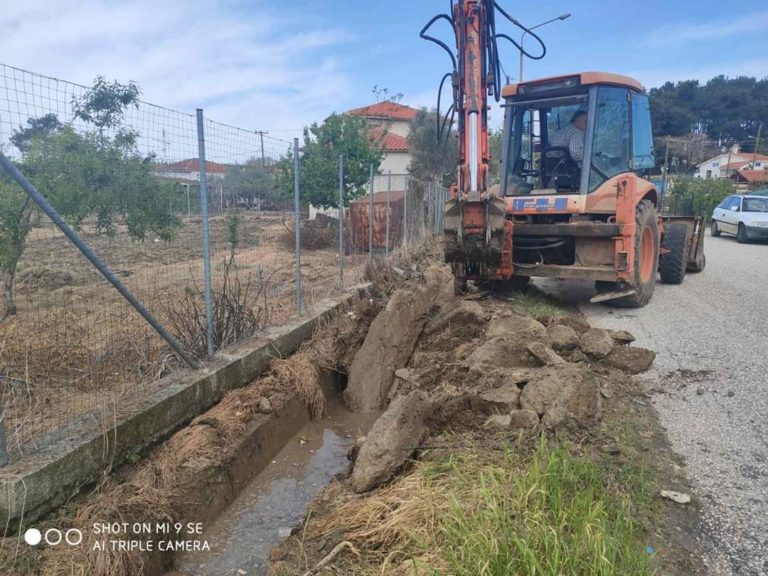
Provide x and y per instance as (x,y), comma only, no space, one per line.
(474,233)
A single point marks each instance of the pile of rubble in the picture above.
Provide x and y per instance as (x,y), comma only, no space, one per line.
(430,359)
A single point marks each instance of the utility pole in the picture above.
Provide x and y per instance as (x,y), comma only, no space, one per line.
(757,143)
(261,137)
(665,181)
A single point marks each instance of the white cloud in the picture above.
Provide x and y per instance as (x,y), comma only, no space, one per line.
(259,66)
(715,30)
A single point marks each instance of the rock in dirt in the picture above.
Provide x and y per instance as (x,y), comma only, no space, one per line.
(405,374)
(564,392)
(465,319)
(631,359)
(523,419)
(622,336)
(562,337)
(391,441)
(499,353)
(264,405)
(504,398)
(543,354)
(440,278)
(498,421)
(391,340)
(579,325)
(679,497)
(597,343)
(512,325)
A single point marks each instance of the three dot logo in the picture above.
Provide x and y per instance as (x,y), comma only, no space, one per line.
(53,537)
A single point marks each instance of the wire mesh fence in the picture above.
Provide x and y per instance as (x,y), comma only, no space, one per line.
(74,354)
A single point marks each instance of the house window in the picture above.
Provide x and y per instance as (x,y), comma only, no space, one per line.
(709,174)
(715,164)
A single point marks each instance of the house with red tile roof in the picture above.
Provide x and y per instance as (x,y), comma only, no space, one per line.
(187,171)
(390,123)
(730,162)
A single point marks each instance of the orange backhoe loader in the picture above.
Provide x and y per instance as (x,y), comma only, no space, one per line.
(583,211)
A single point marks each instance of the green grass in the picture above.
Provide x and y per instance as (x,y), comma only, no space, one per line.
(551,515)
(534,304)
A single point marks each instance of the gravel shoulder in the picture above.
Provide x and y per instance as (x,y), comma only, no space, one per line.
(709,381)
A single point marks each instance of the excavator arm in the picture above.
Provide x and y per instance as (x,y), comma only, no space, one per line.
(475,229)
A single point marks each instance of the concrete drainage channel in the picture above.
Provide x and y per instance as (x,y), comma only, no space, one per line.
(273,503)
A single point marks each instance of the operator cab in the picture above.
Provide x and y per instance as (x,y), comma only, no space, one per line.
(616,136)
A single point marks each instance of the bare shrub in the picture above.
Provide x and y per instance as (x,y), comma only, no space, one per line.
(237,311)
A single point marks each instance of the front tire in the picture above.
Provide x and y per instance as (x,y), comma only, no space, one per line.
(741,234)
(672,264)
(715,229)
(646,257)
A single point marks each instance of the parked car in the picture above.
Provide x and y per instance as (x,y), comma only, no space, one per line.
(746,217)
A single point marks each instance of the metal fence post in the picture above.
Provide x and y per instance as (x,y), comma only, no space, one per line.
(341,222)
(4,457)
(389,206)
(206,232)
(297,211)
(370,216)
(407,183)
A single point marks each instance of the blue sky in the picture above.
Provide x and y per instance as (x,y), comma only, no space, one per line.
(279,65)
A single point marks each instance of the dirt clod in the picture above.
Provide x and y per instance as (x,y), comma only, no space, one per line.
(562,337)
(622,336)
(465,319)
(391,441)
(499,353)
(498,421)
(631,359)
(264,405)
(391,340)
(511,325)
(565,392)
(504,398)
(523,419)
(544,354)
(597,343)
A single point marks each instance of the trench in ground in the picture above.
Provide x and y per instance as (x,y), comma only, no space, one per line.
(275,501)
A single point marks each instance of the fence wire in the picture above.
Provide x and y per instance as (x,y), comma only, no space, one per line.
(74,355)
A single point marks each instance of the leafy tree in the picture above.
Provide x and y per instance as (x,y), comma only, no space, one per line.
(319,173)
(83,175)
(432,159)
(43,126)
(246,182)
(698,197)
(104,104)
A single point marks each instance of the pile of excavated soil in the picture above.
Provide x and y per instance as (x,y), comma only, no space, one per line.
(447,369)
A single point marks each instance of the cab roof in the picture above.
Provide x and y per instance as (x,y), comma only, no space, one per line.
(584,79)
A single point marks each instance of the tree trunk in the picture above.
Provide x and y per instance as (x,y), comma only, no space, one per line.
(9,306)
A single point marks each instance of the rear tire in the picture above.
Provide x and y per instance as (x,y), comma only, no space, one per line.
(698,265)
(646,258)
(672,264)
(715,229)
(741,235)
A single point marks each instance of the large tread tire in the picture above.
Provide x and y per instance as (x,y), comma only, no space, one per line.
(672,265)
(741,235)
(715,229)
(645,217)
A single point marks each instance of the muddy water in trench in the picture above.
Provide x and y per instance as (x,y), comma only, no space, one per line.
(275,500)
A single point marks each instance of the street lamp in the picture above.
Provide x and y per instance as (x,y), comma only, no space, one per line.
(522,38)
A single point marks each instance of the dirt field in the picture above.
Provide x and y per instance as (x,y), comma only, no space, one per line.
(75,348)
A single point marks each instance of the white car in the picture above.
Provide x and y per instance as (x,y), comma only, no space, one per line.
(746,217)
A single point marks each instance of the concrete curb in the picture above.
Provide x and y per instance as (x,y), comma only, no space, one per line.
(37,485)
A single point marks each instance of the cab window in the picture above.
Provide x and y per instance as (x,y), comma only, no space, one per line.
(642,133)
(611,139)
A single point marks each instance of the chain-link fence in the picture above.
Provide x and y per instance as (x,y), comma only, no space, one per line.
(139,185)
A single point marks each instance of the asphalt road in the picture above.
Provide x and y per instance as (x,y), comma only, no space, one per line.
(711,382)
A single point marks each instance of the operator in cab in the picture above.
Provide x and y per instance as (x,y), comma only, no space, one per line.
(572,136)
